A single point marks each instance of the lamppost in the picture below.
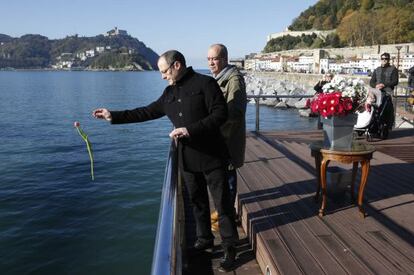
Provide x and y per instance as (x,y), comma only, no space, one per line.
(398,56)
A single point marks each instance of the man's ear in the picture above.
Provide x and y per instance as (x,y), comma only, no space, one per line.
(177,65)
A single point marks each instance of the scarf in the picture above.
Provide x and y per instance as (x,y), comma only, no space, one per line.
(225,73)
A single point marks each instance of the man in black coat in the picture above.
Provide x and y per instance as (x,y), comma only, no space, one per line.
(385,77)
(195,105)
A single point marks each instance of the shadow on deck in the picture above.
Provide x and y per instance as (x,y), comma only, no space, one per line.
(279,214)
(279,218)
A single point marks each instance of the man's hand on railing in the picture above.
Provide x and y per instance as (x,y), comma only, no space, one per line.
(179,133)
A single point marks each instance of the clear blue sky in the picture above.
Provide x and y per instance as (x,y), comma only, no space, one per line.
(187,25)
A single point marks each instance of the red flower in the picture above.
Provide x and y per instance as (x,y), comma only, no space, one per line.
(76,124)
(348,104)
(332,104)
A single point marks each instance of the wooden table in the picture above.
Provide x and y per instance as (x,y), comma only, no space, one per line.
(359,153)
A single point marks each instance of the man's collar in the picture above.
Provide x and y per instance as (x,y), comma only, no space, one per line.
(187,73)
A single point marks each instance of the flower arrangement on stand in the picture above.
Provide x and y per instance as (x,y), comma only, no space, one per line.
(337,105)
(340,97)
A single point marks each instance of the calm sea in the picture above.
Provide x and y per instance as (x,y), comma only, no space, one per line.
(53,218)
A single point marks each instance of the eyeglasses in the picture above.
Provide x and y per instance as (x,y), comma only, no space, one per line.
(384,58)
(166,70)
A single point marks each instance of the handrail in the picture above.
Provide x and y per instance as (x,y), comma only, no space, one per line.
(167,250)
(257,97)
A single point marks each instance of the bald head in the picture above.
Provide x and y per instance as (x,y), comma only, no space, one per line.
(221,50)
(217,58)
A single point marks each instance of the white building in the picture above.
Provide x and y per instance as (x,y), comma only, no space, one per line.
(90,53)
(100,49)
(250,64)
(81,56)
(406,62)
(115,32)
(324,65)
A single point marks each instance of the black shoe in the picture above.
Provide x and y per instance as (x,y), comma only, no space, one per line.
(227,263)
(202,244)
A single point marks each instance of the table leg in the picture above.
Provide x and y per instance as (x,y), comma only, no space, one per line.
(354,172)
(324,164)
(365,164)
(318,158)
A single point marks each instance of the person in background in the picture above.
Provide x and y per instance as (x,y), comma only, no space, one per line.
(326,78)
(195,105)
(319,89)
(232,84)
(385,78)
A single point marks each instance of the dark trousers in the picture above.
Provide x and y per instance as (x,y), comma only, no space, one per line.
(232,179)
(216,180)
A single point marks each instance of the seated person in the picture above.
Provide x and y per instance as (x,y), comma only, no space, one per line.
(371,99)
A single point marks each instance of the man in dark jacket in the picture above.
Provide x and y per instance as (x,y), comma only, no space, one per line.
(385,77)
(195,105)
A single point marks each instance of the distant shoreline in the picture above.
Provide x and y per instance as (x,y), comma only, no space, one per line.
(70,70)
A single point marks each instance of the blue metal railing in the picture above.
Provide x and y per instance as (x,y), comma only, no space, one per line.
(167,251)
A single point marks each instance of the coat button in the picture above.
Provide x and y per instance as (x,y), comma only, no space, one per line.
(180,114)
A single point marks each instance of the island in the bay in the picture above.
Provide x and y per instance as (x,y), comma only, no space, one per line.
(114,50)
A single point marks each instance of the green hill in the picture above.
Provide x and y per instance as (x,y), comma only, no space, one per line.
(357,23)
(361,22)
(98,52)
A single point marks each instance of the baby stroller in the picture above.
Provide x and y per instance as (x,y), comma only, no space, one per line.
(379,120)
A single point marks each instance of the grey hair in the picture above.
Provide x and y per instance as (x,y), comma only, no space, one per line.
(171,56)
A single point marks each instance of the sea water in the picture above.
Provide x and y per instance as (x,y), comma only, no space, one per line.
(53,218)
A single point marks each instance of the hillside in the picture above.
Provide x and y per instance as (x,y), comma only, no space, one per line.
(361,22)
(117,52)
(357,23)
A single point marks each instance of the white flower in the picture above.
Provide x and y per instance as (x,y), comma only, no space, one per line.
(352,88)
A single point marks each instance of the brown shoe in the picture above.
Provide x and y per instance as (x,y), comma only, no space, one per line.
(214,217)
(215,226)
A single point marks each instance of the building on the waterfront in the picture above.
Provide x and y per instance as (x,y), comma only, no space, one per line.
(351,60)
(238,62)
(406,62)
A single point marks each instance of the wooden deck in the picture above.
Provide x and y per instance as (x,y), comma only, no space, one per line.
(279,215)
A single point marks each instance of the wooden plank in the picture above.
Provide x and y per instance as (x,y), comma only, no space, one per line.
(338,247)
(276,202)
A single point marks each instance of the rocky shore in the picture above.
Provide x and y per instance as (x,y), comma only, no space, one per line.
(299,84)
(261,84)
